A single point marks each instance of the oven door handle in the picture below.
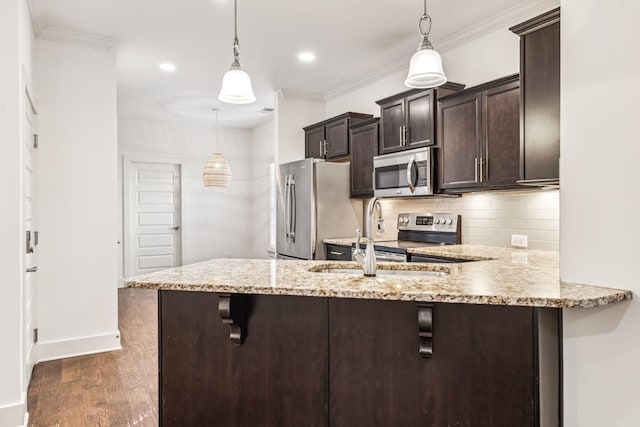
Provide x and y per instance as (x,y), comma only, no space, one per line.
(389,256)
(410,166)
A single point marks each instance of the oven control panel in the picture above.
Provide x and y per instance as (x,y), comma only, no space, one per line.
(444,222)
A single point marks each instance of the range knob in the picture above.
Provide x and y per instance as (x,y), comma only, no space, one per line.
(449,221)
(437,220)
(406,220)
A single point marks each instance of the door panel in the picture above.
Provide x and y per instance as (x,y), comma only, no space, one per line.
(155,239)
(337,139)
(420,120)
(303,210)
(364,146)
(391,122)
(282,241)
(314,143)
(30,250)
(541,102)
(502,136)
(459,131)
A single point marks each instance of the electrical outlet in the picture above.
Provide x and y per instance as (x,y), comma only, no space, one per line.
(519,241)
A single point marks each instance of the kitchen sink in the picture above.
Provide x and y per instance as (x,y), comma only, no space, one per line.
(381,272)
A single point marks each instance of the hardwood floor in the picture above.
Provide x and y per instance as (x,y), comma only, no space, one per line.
(118,388)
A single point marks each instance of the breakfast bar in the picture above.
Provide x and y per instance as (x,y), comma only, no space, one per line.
(315,343)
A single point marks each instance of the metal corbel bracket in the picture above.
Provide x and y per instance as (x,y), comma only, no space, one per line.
(425,329)
(232,313)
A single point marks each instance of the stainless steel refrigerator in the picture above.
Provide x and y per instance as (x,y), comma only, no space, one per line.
(313,205)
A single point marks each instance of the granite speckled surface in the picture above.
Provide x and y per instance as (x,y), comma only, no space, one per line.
(503,277)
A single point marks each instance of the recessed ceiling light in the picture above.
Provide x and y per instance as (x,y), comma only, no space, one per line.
(166,66)
(306,56)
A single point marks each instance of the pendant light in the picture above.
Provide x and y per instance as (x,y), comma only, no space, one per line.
(217,173)
(236,84)
(425,68)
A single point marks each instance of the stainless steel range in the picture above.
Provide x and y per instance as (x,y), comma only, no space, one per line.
(419,231)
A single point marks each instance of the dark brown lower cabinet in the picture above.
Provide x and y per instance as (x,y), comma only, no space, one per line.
(349,362)
(277,377)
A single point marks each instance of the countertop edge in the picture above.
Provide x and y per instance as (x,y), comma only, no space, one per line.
(617,296)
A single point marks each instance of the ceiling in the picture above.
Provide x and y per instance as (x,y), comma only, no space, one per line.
(352,39)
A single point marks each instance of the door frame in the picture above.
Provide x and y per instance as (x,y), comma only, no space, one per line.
(27,101)
(127,160)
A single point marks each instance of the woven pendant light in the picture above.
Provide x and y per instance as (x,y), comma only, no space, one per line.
(217,172)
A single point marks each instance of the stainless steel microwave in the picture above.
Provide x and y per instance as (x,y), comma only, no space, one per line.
(406,173)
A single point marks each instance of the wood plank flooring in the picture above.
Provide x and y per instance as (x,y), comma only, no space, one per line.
(118,388)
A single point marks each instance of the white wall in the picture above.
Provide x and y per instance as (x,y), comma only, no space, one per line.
(15,45)
(486,58)
(216,222)
(77,307)
(262,155)
(599,156)
(291,115)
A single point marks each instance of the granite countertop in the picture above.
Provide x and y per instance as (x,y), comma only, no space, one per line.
(503,276)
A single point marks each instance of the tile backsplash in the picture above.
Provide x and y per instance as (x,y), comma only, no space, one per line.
(490,218)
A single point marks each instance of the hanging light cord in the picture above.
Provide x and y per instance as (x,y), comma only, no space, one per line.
(217,131)
(426,20)
(235,65)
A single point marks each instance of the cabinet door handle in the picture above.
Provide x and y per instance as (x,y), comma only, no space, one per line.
(475,175)
(401,140)
(326,144)
(320,142)
(404,134)
(480,169)
(336,253)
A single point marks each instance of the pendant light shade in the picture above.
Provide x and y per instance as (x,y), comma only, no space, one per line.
(217,172)
(236,88)
(425,68)
(236,83)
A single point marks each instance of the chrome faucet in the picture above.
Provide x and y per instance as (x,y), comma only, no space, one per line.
(367,259)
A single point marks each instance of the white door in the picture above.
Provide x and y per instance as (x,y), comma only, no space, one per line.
(29,200)
(154,241)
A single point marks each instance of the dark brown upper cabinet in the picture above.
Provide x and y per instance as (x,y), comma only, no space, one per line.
(479,137)
(329,139)
(407,119)
(364,145)
(540,98)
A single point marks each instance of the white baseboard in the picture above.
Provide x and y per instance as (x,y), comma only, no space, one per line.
(53,350)
(15,415)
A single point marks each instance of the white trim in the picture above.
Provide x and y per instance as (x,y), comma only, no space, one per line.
(301,95)
(38,21)
(15,414)
(127,159)
(53,350)
(92,41)
(399,62)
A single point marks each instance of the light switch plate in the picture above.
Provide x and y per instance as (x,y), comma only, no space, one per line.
(519,240)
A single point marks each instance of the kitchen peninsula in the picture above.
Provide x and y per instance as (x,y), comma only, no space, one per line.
(287,343)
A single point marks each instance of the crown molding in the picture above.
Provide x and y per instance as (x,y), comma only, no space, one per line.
(38,21)
(301,95)
(394,64)
(91,41)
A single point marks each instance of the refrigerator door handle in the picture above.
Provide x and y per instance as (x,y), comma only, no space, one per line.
(292,203)
(286,206)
